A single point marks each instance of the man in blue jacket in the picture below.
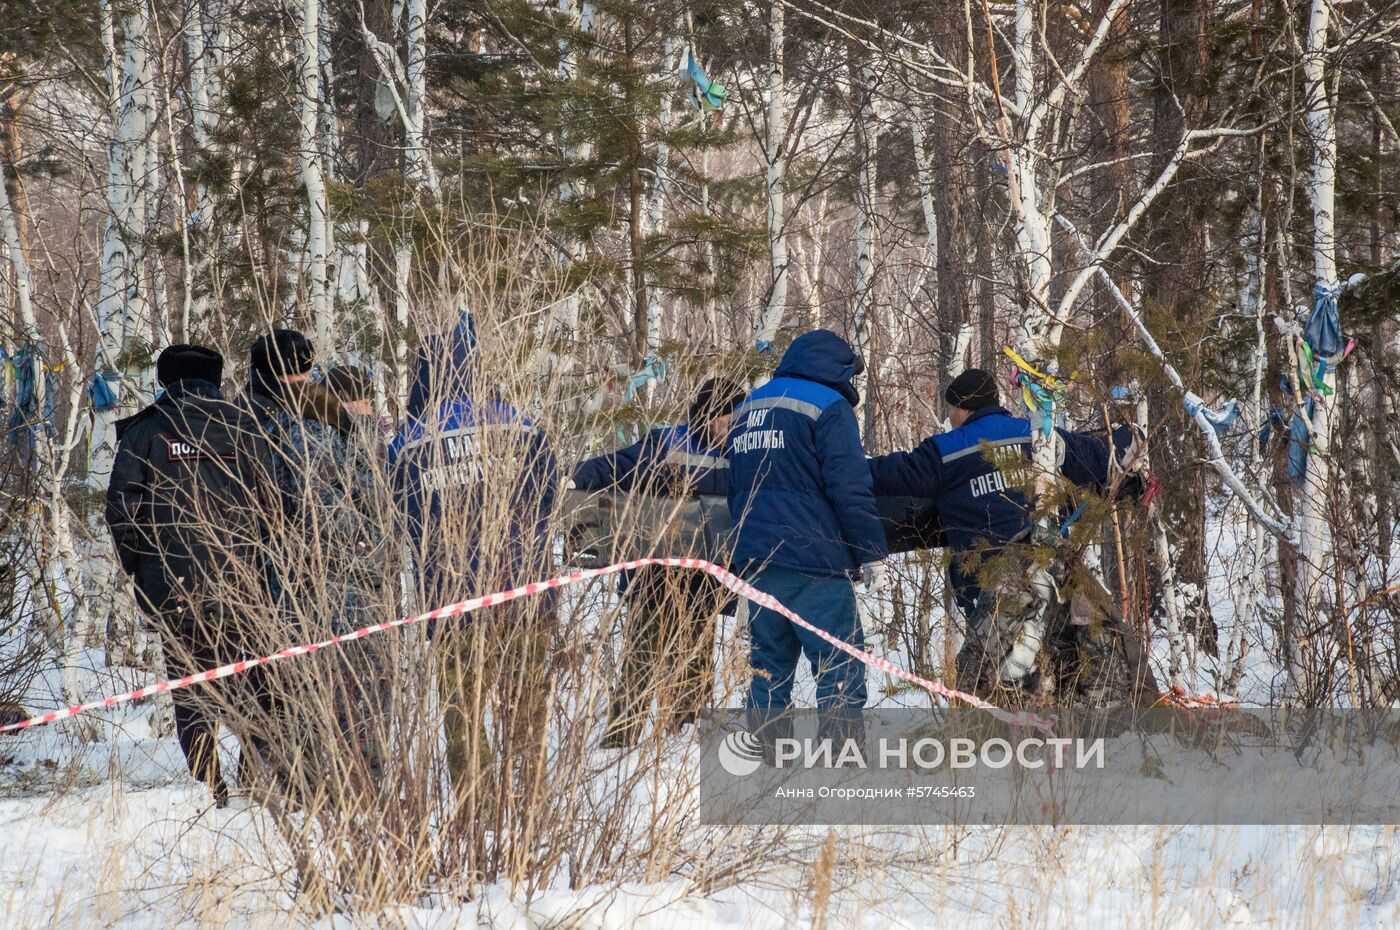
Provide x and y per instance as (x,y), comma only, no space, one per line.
(668,628)
(800,493)
(476,481)
(983,512)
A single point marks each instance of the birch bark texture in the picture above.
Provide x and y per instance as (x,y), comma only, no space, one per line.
(1320,120)
(656,197)
(123,307)
(318,240)
(577,19)
(60,566)
(775,135)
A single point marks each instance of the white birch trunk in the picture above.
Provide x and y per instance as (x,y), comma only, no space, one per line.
(1161,551)
(1032,224)
(1247,586)
(63,568)
(206,42)
(350,258)
(19,265)
(772,318)
(352,274)
(1171,600)
(1322,191)
(418,167)
(1040,333)
(318,246)
(863,317)
(928,275)
(711,305)
(402,261)
(570,250)
(122,303)
(58,560)
(660,183)
(810,261)
(962,350)
(923,173)
(155,327)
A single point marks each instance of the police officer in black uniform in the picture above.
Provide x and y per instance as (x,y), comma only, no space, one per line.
(182,507)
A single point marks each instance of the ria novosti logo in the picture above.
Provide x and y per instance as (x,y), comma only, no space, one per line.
(740,753)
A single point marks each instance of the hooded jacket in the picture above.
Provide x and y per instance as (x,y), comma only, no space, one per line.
(476,480)
(800,490)
(185,499)
(979,509)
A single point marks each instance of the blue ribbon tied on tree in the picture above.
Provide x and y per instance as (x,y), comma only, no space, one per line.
(103,391)
(654,370)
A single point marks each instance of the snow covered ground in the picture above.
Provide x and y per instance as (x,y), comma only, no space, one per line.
(136,857)
(115,835)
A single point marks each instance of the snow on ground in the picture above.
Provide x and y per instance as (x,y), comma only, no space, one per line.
(119,837)
(115,835)
(118,858)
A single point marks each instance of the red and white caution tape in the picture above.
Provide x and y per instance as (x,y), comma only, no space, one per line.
(725,578)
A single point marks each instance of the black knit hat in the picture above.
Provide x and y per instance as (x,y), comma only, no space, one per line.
(716,398)
(349,383)
(282,352)
(178,362)
(972,390)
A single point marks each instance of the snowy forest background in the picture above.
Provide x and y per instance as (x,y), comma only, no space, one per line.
(1152,194)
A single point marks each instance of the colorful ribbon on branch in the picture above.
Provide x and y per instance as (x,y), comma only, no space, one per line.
(654,370)
(727,579)
(1041,392)
(707,95)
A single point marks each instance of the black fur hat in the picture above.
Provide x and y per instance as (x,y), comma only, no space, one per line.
(282,352)
(178,362)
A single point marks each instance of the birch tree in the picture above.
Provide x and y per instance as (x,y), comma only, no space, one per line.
(70,627)
(660,183)
(123,306)
(775,132)
(579,18)
(318,240)
(1320,120)
(206,48)
(864,321)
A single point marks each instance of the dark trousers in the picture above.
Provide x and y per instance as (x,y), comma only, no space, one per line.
(778,644)
(668,635)
(192,646)
(196,707)
(496,660)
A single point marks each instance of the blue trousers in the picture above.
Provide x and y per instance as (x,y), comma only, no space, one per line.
(777,644)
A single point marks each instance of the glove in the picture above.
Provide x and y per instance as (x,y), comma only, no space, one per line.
(871,574)
(571,486)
